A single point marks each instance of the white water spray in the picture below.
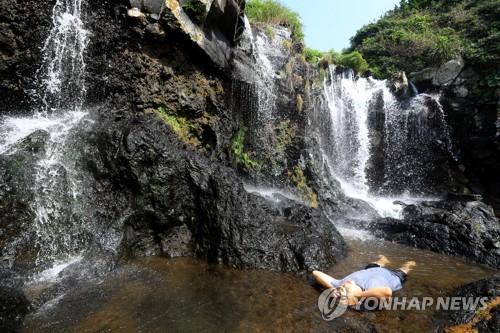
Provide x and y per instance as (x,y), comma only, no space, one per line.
(353,106)
(63,71)
(58,229)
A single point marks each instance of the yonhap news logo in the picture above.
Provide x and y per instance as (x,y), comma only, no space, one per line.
(329,305)
(331,308)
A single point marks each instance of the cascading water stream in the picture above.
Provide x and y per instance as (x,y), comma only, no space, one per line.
(58,223)
(63,71)
(380,149)
(59,229)
(266,55)
(347,101)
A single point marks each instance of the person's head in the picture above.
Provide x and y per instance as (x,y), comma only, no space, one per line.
(351,288)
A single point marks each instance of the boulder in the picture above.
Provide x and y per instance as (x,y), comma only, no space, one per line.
(442,76)
(398,84)
(13,307)
(210,25)
(468,229)
(174,201)
(489,290)
(448,72)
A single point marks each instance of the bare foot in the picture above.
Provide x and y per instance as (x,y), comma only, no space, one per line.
(382,260)
(408,266)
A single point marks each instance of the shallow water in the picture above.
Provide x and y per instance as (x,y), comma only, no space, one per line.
(188,295)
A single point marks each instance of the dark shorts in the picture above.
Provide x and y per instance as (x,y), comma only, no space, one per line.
(399,273)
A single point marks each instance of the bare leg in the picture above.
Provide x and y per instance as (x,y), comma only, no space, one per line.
(323,279)
(382,260)
(407,266)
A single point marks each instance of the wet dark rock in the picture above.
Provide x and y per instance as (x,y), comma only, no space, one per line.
(473,123)
(180,203)
(22,27)
(398,84)
(17,171)
(488,290)
(463,197)
(14,306)
(467,229)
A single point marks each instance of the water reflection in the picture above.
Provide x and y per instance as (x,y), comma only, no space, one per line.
(188,295)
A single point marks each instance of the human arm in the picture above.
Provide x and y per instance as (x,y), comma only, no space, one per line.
(378,292)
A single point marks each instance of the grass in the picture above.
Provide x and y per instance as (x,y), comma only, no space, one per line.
(181,126)
(238,149)
(298,177)
(274,12)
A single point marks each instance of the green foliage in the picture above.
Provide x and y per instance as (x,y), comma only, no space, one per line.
(422,33)
(181,126)
(487,90)
(238,149)
(287,45)
(353,60)
(298,177)
(285,132)
(195,10)
(274,12)
(270,32)
(312,56)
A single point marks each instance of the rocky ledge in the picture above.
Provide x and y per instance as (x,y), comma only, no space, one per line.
(176,202)
(473,318)
(468,229)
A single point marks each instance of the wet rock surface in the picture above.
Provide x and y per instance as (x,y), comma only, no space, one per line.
(488,291)
(466,229)
(166,187)
(472,113)
(13,308)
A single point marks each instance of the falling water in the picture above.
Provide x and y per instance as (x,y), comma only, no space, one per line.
(58,224)
(262,56)
(59,228)
(378,148)
(348,106)
(63,71)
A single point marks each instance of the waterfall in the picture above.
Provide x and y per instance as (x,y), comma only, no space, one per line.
(260,59)
(378,148)
(59,227)
(348,106)
(62,74)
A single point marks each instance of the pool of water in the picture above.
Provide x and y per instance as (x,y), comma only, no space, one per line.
(188,295)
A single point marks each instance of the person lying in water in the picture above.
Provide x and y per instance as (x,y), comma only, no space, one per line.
(374,281)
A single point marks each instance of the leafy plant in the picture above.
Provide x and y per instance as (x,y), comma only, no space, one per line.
(353,60)
(181,126)
(195,10)
(312,56)
(238,149)
(298,177)
(422,33)
(274,12)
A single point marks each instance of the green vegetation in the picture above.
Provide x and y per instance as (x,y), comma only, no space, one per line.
(190,131)
(298,177)
(352,59)
(312,56)
(180,126)
(238,149)
(422,33)
(274,12)
(285,132)
(195,10)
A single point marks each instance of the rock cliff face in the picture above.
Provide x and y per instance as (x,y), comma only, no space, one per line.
(475,123)
(156,155)
(177,127)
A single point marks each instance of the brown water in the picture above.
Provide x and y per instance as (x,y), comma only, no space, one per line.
(188,295)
